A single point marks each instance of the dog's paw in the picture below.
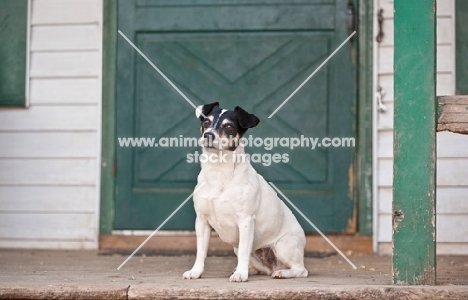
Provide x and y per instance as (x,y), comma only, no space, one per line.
(192,274)
(238,277)
(280,274)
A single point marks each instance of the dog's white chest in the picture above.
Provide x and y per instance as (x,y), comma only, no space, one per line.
(220,211)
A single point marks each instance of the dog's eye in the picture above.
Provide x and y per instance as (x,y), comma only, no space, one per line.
(206,123)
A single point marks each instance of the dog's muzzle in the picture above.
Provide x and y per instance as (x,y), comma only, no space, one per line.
(209,140)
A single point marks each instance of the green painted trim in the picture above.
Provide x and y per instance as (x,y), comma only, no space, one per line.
(109,57)
(414,150)
(365,107)
(461,15)
(13,52)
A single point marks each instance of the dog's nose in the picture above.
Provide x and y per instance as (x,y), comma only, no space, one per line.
(208,135)
(209,139)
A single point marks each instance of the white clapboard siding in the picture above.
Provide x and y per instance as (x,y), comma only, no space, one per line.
(43,244)
(450,228)
(64,91)
(46,171)
(450,172)
(459,144)
(67,37)
(40,118)
(66,12)
(63,226)
(65,64)
(47,199)
(50,151)
(48,144)
(441,248)
(450,200)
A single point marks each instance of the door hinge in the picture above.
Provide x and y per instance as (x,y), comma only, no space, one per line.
(380,20)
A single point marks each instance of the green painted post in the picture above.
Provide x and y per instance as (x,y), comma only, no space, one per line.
(414,177)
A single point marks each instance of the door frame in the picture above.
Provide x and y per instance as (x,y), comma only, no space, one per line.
(362,163)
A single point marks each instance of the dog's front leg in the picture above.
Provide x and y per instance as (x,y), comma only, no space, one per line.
(203,231)
(246,236)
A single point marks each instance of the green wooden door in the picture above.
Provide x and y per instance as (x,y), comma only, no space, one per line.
(247,53)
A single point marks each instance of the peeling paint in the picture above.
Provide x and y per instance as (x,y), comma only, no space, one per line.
(398,216)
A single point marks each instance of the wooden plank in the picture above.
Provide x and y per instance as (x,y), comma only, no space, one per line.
(39,118)
(385,119)
(48,171)
(452,248)
(48,144)
(445,8)
(46,12)
(385,63)
(385,172)
(47,199)
(450,172)
(446,83)
(65,64)
(386,82)
(66,37)
(47,244)
(448,145)
(445,58)
(450,200)
(453,114)
(414,183)
(48,226)
(442,248)
(64,91)
(187,243)
(451,228)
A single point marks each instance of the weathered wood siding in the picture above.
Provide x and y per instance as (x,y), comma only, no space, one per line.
(49,154)
(452,153)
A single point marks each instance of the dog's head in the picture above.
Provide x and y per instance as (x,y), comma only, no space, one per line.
(222,129)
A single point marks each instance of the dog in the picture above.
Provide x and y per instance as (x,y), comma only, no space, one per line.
(240,205)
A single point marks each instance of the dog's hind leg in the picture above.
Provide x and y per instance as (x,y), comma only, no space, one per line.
(264,260)
(289,251)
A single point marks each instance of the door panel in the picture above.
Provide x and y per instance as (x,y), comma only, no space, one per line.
(254,65)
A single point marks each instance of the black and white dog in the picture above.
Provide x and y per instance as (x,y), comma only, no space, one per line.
(240,205)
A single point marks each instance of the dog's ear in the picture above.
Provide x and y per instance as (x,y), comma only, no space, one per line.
(245,119)
(205,110)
